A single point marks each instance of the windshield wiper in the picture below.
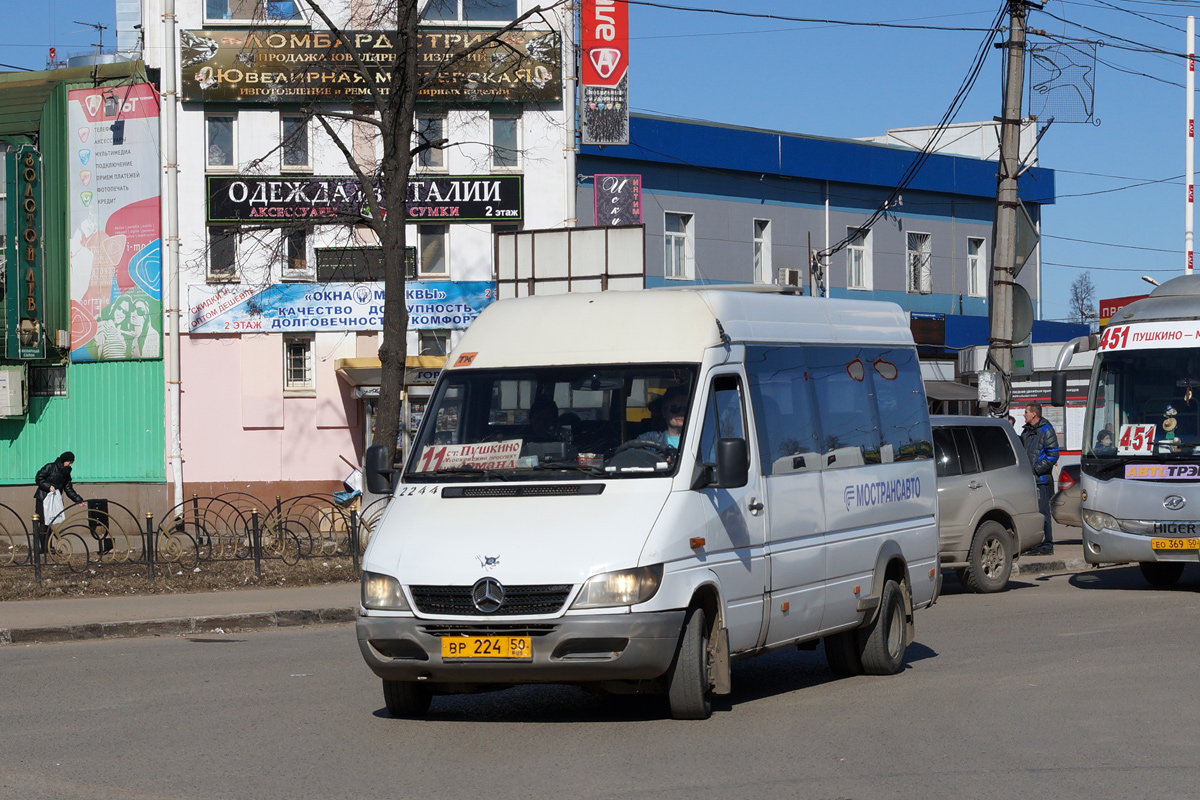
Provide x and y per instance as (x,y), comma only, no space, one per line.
(481,471)
(571,465)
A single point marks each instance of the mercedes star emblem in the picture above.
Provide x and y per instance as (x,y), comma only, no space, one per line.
(488,595)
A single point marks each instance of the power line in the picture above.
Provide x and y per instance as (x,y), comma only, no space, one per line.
(1129,44)
(914,167)
(1177,251)
(1119,188)
(1141,270)
(782,18)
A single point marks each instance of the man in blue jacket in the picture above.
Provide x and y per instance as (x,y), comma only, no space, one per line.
(1041,446)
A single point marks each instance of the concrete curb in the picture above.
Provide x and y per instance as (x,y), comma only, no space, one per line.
(234,623)
(226,623)
(1051,565)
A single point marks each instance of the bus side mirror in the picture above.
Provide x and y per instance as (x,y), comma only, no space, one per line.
(733,463)
(1058,389)
(378,470)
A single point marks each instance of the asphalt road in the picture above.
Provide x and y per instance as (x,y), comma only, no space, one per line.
(1067,686)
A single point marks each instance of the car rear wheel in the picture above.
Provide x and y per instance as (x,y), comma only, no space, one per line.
(406,698)
(1161,573)
(989,564)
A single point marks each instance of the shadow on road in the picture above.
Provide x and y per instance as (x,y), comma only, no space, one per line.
(779,673)
(951,585)
(1130,579)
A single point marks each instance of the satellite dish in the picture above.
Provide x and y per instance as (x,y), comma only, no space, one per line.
(1022,314)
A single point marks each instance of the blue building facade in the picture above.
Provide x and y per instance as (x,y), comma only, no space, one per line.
(724,204)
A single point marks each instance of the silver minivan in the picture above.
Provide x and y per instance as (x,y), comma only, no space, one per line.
(987,499)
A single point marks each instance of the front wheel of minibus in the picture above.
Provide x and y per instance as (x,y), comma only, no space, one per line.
(1161,574)
(406,698)
(689,691)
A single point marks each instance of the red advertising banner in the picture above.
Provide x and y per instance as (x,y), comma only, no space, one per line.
(604,88)
(605,42)
(1109,308)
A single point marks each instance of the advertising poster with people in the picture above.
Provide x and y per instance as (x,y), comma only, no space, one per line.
(116,240)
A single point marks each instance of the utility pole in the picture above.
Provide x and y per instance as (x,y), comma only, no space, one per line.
(1004,263)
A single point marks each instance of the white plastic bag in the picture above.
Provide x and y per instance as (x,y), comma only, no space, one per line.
(52,506)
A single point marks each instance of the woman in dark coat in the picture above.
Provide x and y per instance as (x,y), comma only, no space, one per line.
(55,476)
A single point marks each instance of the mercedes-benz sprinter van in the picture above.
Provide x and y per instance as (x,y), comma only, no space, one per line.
(629,490)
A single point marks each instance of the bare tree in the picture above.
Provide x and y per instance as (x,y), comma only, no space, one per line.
(1082,302)
(381,161)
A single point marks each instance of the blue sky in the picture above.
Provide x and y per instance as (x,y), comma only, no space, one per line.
(847,81)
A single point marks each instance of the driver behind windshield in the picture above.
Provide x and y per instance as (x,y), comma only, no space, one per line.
(672,413)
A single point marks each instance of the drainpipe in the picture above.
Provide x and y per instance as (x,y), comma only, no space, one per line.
(568,30)
(825,266)
(171,199)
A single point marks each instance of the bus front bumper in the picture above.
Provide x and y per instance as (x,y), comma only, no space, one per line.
(1117,547)
(571,649)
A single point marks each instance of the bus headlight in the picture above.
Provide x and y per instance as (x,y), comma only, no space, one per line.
(382,592)
(1099,521)
(625,588)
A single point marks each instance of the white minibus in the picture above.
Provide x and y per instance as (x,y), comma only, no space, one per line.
(628,491)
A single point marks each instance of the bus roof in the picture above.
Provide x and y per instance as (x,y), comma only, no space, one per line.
(1178,298)
(664,326)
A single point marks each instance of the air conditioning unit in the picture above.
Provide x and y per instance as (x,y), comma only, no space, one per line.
(13,399)
(788,277)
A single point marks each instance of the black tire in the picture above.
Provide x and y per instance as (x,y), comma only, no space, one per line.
(1161,574)
(841,652)
(406,698)
(989,564)
(883,641)
(689,688)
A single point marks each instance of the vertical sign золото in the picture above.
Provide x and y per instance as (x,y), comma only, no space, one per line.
(25,256)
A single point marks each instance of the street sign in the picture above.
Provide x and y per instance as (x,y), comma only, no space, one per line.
(1027,238)
(1022,314)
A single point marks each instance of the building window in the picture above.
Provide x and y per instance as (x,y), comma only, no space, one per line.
(918,258)
(433,343)
(295,255)
(219,140)
(222,254)
(298,363)
(471,10)
(976,267)
(47,381)
(431,129)
(277,10)
(506,145)
(678,245)
(858,259)
(762,250)
(294,141)
(433,249)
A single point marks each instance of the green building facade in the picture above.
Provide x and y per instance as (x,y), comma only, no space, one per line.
(109,413)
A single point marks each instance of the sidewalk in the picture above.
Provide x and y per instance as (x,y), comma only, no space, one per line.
(76,618)
(73,618)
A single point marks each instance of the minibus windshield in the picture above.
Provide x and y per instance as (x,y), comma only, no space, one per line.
(562,422)
(1144,405)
